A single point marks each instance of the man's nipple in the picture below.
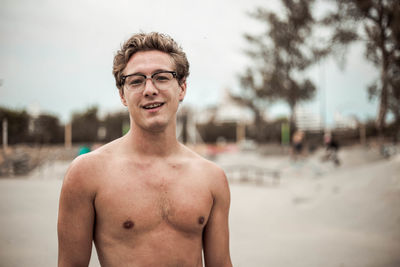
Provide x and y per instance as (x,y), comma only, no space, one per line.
(128,224)
(201,220)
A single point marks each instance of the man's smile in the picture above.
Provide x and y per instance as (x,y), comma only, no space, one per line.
(153,105)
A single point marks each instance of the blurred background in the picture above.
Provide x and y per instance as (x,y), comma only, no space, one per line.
(298,101)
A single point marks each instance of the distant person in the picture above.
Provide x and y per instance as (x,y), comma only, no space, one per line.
(83,150)
(145,199)
(297,144)
(331,149)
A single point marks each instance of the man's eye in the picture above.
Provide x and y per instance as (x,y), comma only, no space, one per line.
(137,81)
(162,77)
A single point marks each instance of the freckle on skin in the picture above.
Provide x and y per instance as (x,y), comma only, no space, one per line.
(201,220)
(128,224)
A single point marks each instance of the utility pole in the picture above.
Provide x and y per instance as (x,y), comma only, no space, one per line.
(5,129)
(68,135)
(5,134)
(322,96)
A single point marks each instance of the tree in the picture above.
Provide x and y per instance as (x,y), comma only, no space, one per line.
(394,99)
(85,126)
(113,124)
(46,129)
(377,24)
(18,121)
(281,55)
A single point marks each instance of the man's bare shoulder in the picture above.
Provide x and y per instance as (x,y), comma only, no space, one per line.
(96,158)
(214,174)
(87,168)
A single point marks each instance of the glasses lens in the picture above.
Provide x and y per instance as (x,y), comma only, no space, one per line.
(135,82)
(162,80)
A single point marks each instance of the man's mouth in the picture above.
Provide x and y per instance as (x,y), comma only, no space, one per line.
(153,105)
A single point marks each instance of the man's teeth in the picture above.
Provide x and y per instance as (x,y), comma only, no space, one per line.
(153,106)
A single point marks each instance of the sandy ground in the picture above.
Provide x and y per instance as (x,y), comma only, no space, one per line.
(318,215)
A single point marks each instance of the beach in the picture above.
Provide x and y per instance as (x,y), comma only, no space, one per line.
(311,213)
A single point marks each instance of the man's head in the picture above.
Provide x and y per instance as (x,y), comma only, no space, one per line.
(147,42)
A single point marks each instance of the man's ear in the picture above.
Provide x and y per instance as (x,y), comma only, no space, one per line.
(122,96)
(182,92)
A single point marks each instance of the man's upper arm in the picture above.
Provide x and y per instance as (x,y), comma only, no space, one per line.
(216,232)
(76,216)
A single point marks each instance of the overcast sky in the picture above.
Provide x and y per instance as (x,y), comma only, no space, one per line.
(56,56)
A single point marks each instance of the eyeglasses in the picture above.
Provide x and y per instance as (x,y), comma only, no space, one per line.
(161,79)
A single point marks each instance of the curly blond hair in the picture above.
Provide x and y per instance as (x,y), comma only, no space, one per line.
(146,42)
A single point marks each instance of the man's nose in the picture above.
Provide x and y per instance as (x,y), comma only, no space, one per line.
(149,88)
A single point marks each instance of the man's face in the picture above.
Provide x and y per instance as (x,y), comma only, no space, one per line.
(152,109)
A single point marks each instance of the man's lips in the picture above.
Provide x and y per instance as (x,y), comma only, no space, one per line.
(152,105)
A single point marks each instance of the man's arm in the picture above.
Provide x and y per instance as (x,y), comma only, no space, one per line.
(76,216)
(216,232)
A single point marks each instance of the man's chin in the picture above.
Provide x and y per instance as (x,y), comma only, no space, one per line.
(156,127)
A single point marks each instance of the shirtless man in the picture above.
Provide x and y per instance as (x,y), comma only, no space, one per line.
(145,199)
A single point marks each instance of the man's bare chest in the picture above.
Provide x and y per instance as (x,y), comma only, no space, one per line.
(142,201)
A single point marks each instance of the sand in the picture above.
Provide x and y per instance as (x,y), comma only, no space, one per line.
(318,215)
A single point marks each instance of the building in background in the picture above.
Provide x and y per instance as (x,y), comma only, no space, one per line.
(308,120)
(346,122)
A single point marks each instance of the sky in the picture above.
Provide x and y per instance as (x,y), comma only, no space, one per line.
(56,56)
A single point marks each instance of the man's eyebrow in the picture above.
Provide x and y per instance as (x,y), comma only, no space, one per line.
(136,73)
(141,73)
(159,70)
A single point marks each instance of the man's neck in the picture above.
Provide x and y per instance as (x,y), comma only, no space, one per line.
(152,144)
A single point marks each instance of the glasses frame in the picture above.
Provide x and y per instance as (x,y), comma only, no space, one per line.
(123,78)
